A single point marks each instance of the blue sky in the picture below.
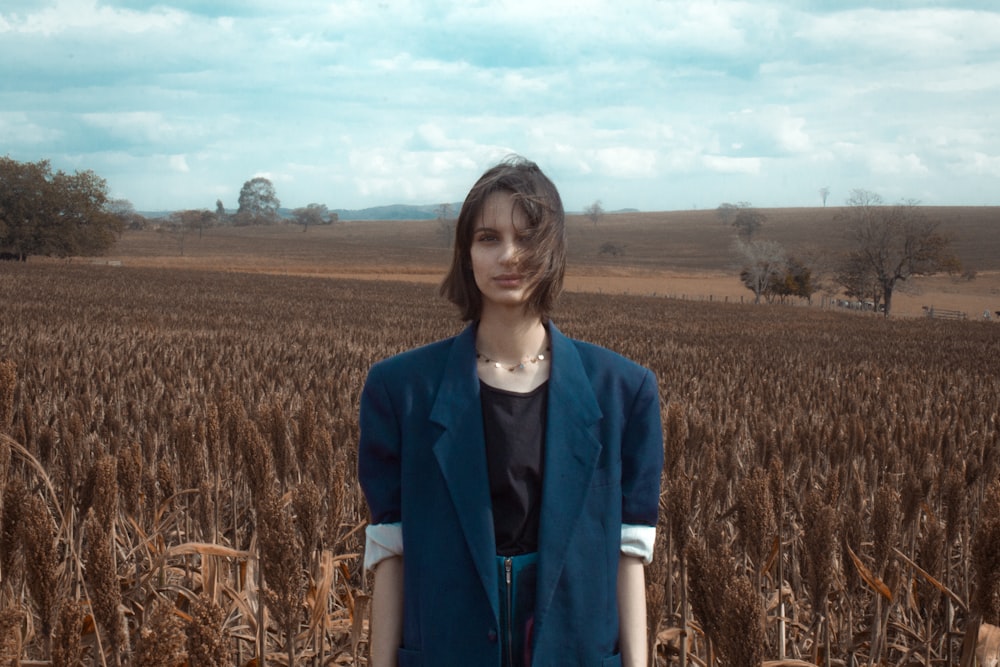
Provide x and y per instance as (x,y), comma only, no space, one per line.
(649,104)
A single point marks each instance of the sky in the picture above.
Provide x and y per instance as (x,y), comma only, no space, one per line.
(649,104)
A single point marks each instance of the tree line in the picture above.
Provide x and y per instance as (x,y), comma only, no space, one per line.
(887,245)
(57,214)
(258,205)
(46,212)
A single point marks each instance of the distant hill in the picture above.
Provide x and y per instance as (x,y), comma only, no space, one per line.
(390,212)
(396,212)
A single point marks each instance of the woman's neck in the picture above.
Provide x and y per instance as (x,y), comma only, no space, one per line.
(510,336)
(512,352)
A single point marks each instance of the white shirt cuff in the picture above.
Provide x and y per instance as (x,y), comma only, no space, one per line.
(385,540)
(382,540)
(638,541)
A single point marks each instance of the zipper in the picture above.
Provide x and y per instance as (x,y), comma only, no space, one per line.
(508,565)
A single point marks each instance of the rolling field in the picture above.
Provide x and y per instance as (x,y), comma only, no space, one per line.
(178,444)
(683,254)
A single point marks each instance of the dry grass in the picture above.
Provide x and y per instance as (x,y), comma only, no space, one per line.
(190,412)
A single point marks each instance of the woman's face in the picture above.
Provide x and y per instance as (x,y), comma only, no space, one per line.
(498,241)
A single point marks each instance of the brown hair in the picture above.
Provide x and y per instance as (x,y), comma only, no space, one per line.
(544,262)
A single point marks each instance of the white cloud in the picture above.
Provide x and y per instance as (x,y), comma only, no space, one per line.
(18,129)
(732,165)
(135,125)
(980,164)
(71,15)
(179,164)
(627,162)
(356,103)
(936,34)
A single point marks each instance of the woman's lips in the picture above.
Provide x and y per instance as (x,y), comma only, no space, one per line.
(508,280)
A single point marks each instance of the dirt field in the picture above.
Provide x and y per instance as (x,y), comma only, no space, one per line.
(678,254)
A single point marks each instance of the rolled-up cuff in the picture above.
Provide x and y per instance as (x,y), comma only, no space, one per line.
(382,540)
(638,541)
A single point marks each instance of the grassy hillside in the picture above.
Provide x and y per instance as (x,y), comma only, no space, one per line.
(700,240)
(681,241)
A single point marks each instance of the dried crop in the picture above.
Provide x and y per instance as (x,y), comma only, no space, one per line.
(177,456)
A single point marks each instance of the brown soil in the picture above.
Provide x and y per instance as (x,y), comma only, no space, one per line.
(678,254)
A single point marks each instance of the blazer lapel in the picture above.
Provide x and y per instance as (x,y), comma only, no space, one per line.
(571,454)
(461,455)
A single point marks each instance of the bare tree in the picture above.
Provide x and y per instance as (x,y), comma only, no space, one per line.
(891,244)
(824,192)
(125,211)
(446,223)
(764,262)
(594,212)
(180,223)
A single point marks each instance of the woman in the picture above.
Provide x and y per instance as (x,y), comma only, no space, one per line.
(512,473)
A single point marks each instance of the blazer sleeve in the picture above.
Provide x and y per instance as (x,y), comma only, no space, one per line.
(379,466)
(642,456)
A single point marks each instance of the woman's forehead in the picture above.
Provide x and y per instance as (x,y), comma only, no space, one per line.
(502,208)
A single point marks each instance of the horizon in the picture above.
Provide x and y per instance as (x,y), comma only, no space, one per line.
(660,105)
(621,211)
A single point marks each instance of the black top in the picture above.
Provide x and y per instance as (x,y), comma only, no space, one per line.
(514,426)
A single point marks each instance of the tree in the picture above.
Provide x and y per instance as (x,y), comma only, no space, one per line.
(258,202)
(314,214)
(726,212)
(858,280)
(181,223)
(763,263)
(824,192)
(46,213)
(220,212)
(446,223)
(594,212)
(796,280)
(125,211)
(743,216)
(890,244)
(747,220)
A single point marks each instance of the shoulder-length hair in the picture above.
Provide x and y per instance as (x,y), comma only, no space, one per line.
(544,260)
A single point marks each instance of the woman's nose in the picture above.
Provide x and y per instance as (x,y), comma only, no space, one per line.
(509,253)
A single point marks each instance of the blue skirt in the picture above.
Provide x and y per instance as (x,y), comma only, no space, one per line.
(517,575)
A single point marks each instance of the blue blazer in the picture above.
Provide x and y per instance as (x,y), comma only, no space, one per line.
(422,462)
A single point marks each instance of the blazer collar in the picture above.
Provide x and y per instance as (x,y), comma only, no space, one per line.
(461,455)
(568,381)
(571,453)
(572,450)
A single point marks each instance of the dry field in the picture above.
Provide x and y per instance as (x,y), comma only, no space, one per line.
(683,254)
(177,455)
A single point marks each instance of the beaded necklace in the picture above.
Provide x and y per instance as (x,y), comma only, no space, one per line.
(482,358)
